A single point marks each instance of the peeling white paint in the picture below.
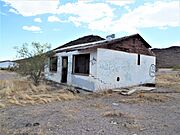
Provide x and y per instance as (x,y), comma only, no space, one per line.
(85,82)
(106,68)
(112,64)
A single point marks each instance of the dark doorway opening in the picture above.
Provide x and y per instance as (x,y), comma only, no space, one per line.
(64,69)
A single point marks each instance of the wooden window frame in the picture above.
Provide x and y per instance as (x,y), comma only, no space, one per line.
(74,64)
(51,68)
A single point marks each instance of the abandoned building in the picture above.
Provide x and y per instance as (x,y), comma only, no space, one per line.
(7,64)
(96,64)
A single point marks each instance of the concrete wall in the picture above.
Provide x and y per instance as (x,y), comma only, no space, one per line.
(112,64)
(105,67)
(83,81)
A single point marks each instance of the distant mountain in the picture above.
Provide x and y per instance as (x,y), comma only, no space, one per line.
(167,57)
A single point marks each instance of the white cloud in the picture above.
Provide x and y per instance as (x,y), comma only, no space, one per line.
(31,28)
(163,28)
(2,13)
(54,19)
(127,8)
(37,20)
(100,16)
(159,14)
(13,11)
(33,7)
(120,2)
(112,2)
(103,24)
(86,13)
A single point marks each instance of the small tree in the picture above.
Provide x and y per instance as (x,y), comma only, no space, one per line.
(33,60)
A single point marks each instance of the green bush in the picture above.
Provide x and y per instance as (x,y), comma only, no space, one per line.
(177,67)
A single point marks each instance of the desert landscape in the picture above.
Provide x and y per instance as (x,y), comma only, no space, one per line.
(89,67)
(54,109)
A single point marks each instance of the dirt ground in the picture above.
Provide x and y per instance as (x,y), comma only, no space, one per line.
(153,113)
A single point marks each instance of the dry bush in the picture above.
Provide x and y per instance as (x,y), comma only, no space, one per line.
(72,110)
(22,91)
(114,114)
(153,97)
(146,98)
(118,114)
(100,94)
(3,71)
(2,105)
(169,81)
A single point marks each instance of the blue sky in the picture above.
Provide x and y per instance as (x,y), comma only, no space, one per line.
(60,21)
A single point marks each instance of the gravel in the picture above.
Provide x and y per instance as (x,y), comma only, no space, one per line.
(85,117)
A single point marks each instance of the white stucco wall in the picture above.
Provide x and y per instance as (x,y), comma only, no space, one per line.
(82,81)
(112,64)
(105,66)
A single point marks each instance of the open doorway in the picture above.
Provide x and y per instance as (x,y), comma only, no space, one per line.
(64,69)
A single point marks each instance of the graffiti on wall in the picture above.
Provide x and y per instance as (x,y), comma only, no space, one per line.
(152,70)
(93,61)
(109,66)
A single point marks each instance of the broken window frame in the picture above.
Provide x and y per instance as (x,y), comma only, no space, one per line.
(53,62)
(86,64)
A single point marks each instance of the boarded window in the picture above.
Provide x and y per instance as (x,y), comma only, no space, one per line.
(53,64)
(81,63)
(139,59)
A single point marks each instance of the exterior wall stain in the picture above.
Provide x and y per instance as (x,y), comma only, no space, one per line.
(98,79)
(87,84)
(108,69)
(112,64)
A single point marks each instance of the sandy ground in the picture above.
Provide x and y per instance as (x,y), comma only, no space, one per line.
(4,75)
(153,113)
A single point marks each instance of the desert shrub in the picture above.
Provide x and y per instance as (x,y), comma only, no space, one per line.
(34,57)
(177,67)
